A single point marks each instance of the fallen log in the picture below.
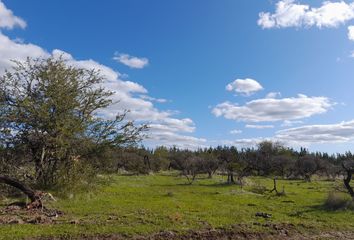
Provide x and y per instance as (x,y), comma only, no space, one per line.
(34,196)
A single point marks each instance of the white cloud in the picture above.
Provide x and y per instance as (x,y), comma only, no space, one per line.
(14,50)
(273,95)
(272,110)
(245,142)
(325,133)
(244,86)
(174,125)
(131,61)
(304,135)
(351,33)
(159,100)
(288,123)
(236,131)
(259,126)
(8,20)
(171,139)
(288,13)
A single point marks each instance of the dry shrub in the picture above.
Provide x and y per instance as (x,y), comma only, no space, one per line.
(337,201)
(175,217)
(259,189)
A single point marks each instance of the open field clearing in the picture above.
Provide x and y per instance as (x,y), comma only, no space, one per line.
(128,206)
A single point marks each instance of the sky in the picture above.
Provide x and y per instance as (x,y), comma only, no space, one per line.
(203,72)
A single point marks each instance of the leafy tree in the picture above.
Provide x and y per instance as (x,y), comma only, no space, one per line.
(209,162)
(50,110)
(160,159)
(266,150)
(231,161)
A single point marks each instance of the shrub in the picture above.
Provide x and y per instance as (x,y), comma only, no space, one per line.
(259,189)
(337,200)
(79,176)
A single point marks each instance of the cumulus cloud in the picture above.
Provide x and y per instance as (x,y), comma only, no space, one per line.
(158,100)
(131,61)
(272,110)
(306,135)
(174,125)
(289,13)
(273,95)
(8,20)
(244,86)
(330,133)
(14,50)
(170,139)
(351,33)
(259,126)
(288,123)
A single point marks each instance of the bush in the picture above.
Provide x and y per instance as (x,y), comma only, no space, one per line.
(79,176)
(338,200)
(258,188)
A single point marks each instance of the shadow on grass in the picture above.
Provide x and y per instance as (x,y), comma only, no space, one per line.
(221,184)
(318,209)
(196,184)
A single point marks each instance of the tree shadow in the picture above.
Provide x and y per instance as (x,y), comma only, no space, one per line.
(220,185)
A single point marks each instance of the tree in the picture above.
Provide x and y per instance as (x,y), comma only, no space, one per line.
(349,170)
(50,109)
(160,159)
(308,165)
(34,196)
(266,150)
(232,163)
(192,166)
(209,161)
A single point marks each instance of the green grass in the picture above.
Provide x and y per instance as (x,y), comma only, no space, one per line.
(132,205)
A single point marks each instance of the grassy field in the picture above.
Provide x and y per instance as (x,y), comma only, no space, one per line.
(143,205)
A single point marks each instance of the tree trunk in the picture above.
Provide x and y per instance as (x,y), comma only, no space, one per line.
(34,196)
(307,177)
(274,186)
(147,162)
(230,178)
(347,182)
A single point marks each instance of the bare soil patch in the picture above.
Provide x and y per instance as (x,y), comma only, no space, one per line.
(272,231)
(19,213)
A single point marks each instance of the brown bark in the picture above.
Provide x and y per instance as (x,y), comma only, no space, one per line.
(230,178)
(274,186)
(34,196)
(347,180)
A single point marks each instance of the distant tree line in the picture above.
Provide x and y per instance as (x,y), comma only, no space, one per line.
(267,159)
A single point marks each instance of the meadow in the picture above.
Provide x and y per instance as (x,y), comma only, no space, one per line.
(144,205)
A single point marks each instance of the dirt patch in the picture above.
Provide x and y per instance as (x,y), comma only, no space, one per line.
(271,232)
(20,214)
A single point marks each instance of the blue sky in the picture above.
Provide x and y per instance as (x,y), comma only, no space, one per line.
(171,63)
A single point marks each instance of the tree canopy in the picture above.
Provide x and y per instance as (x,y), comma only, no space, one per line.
(49,110)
